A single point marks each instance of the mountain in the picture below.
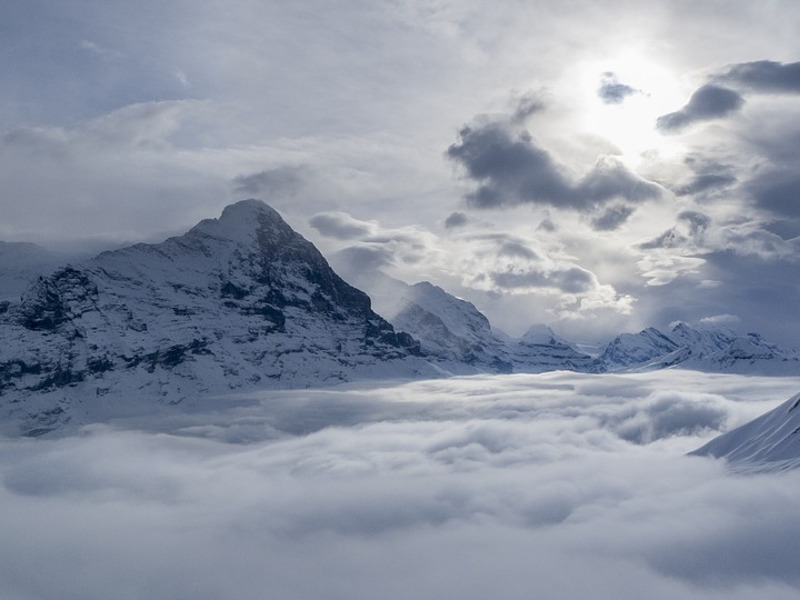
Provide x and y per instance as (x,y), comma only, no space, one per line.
(769,442)
(630,349)
(457,337)
(238,302)
(699,348)
(540,350)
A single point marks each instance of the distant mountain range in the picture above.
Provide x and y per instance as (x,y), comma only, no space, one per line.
(244,302)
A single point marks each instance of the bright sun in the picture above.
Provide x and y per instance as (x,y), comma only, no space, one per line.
(630,124)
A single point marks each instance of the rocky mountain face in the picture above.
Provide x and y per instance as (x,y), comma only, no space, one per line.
(238,302)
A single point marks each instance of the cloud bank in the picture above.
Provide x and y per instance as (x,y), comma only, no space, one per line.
(466,488)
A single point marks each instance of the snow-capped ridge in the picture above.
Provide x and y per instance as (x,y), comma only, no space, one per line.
(702,348)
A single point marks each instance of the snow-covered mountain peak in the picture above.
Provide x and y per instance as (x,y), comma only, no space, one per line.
(238,302)
(540,334)
(241,223)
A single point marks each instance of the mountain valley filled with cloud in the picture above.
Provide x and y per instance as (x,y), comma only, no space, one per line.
(399,299)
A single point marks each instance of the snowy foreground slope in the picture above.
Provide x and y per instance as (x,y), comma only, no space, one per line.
(238,302)
(769,442)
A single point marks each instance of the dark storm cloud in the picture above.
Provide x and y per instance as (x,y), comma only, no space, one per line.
(611,91)
(612,217)
(708,102)
(340,226)
(765,76)
(511,169)
(456,219)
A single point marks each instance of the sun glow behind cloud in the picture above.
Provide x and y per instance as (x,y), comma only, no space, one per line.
(629,123)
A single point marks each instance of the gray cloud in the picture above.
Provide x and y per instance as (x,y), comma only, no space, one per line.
(285,180)
(612,217)
(611,91)
(706,182)
(340,226)
(708,102)
(456,219)
(573,280)
(511,169)
(527,105)
(689,231)
(765,76)
(777,191)
(515,249)
(362,257)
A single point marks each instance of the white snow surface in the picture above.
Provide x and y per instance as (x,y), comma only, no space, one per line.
(770,442)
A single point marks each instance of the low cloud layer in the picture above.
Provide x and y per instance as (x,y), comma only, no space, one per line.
(465,488)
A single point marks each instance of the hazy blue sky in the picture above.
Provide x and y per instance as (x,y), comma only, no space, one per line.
(597,166)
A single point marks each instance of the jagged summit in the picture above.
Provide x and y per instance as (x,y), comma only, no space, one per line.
(240,222)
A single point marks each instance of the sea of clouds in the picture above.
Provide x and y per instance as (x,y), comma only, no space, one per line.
(557,485)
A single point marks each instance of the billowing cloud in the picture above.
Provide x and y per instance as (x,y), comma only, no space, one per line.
(707,103)
(611,91)
(511,169)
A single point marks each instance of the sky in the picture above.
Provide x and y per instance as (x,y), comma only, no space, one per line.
(596,166)
(557,485)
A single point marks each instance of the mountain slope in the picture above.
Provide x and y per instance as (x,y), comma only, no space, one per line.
(769,442)
(238,302)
